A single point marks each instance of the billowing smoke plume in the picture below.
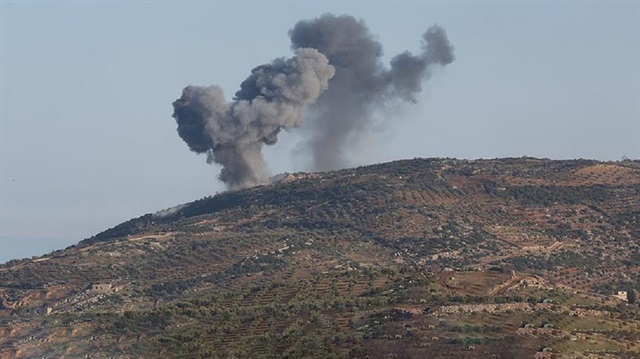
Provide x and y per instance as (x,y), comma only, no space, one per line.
(333,53)
(272,98)
(361,82)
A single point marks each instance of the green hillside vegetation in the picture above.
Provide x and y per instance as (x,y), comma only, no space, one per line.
(422,258)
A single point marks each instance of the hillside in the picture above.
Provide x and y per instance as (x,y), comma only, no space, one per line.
(422,258)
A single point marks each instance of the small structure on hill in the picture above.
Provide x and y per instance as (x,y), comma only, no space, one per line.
(289,177)
(103,288)
(622,295)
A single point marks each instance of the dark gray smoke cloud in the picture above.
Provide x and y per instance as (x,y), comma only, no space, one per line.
(232,134)
(333,53)
(361,82)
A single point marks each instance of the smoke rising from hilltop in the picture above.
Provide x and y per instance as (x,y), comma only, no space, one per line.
(232,134)
(336,73)
(361,83)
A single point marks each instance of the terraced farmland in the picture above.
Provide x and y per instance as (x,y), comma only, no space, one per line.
(426,258)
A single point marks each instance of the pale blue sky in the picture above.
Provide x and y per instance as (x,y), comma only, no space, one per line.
(88,141)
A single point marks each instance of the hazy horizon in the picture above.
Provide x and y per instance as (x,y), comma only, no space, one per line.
(87,138)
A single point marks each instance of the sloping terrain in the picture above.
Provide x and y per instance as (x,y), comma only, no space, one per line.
(423,258)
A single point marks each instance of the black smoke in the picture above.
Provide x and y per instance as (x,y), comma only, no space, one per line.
(361,83)
(232,134)
(336,73)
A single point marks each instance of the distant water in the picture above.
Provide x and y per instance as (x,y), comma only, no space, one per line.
(18,247)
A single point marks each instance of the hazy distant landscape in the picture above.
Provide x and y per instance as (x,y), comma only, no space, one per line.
(27,247)
(87,139)
(320,180)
